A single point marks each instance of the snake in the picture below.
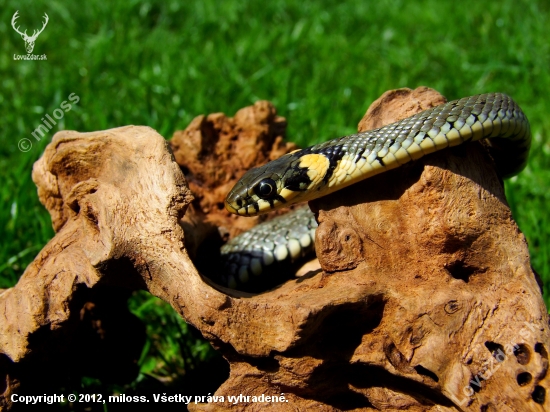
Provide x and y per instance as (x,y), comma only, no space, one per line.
(321,169)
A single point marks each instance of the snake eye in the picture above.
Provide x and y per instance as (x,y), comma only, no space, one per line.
(266,188)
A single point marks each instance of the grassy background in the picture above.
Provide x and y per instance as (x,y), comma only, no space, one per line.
(161,63)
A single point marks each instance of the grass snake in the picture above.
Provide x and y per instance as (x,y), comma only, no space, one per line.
(324,168)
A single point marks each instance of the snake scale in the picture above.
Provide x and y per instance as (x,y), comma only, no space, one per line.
(330,166)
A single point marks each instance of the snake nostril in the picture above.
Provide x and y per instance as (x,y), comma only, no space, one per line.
(239,202)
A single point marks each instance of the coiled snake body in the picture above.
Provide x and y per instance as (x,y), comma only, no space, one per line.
(324,168)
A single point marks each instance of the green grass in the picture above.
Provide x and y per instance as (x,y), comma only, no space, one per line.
(161,63)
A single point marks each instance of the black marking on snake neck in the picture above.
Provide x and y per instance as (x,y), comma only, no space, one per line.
(334,154)
(299,180)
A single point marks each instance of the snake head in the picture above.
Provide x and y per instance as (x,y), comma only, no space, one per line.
(255,193)
(280,183)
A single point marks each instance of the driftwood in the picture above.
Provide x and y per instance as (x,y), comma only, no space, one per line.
(426,300)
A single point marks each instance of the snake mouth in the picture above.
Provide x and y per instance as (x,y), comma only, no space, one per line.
(235,204)
(230,208)
(251,208)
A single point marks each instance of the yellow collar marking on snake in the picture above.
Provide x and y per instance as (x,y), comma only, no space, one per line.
(317,166)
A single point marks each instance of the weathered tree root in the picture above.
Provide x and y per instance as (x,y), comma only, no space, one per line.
(426,302)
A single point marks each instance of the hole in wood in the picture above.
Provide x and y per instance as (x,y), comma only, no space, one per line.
(460,270)
(523,354)
(539,348)
(524,378)
(539,394)
(421,370)
(265,364)
(496,349)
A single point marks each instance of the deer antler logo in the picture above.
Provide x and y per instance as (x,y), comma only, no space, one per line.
(29,40)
